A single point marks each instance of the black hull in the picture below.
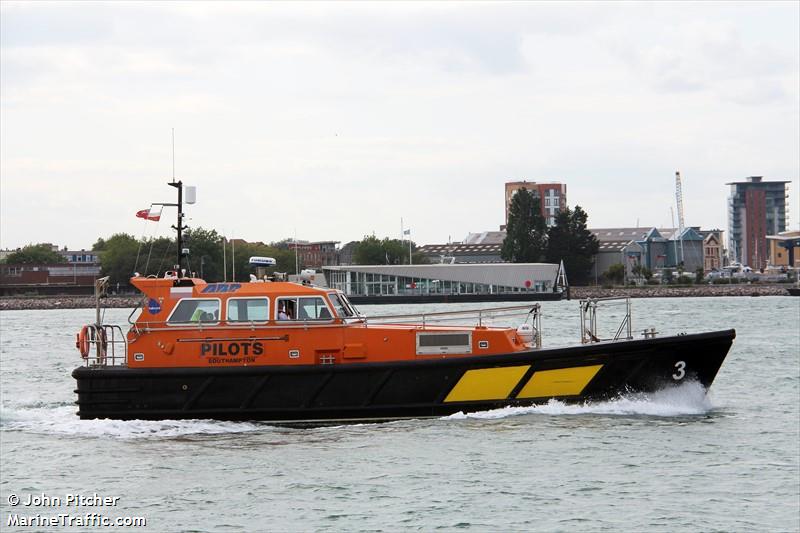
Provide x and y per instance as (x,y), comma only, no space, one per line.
(429,388)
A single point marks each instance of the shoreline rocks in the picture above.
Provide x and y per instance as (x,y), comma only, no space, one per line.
(665,291)
(16,303)
(9,303)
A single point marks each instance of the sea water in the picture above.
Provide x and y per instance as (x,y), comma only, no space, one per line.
(676,460)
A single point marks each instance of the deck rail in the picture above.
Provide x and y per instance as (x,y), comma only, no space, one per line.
(108,345)
(491,314)
(589,320)
(494,316)
(482,317)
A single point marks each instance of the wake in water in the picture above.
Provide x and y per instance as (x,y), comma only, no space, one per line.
(62,420)
(38,417)
(689,398)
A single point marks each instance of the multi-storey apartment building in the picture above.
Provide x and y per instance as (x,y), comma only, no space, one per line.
(552,197)
(756,208)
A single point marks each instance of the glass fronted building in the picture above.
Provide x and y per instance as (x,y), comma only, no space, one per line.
(443,279)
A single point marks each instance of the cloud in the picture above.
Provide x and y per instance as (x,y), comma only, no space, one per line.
(367,112)
(470,38)
(711,54)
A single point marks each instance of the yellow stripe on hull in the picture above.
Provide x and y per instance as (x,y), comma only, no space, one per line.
(487,384)
(560,382)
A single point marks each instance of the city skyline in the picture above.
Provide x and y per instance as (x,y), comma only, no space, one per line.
(334,121)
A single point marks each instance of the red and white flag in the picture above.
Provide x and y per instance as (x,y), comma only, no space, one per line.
(149,214)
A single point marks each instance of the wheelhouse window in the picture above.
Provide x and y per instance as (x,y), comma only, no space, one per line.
(248,310)
(194,311)
(302,308)
(341,305)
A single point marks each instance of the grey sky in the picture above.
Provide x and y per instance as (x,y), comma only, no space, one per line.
(337,119)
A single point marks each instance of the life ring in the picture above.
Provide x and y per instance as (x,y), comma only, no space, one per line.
(82,342)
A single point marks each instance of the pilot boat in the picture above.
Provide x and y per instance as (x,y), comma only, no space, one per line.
(293,353)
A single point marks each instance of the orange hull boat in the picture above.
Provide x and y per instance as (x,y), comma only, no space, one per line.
(292,353)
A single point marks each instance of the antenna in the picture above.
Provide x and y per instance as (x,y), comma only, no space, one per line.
(296,259)
(173,155)
(179,227)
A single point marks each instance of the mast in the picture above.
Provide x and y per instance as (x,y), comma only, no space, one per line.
(180,227)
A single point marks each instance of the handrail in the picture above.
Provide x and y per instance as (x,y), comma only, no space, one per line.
(136,308)
(480,314)
(589,324)
(459,312)
(205,330)
(147,328)
(103,341)
(443,316)
(625,322)
(604,299)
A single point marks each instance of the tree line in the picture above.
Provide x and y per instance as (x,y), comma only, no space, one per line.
(35,254)
(529,240)
(386,251)
(121,255)
(211,256)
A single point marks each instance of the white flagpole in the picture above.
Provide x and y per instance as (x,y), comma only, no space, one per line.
(402,232)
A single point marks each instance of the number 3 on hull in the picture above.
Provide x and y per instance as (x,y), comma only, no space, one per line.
(680,372)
